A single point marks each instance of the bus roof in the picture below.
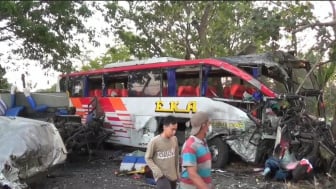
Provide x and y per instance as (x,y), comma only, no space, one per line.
(267,59)
(145,61)
(277,60)
(180,63)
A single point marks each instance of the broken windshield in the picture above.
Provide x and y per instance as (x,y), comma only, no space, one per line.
(280,71)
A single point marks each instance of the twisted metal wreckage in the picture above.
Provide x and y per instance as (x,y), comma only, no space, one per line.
(34,146)
(285,120)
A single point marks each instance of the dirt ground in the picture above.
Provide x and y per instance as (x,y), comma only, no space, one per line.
(82,172)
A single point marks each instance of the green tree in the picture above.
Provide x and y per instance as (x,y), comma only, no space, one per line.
(203,29)
(111,56)
(322,54)
(3,81)
(44,31)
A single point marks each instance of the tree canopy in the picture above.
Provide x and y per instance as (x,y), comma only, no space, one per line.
(205,29)
(44,31)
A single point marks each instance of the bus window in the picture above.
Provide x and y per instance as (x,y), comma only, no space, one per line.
(188,80)
(274,84)
(116,84)
(144,83)
(214,87)
(94,84)
(77,87)
(211,85)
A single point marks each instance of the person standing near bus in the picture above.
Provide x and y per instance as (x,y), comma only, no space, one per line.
(196,157)
(162,155)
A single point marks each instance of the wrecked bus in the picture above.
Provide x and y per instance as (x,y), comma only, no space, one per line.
(133,97)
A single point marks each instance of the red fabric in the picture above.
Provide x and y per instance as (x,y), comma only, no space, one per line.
(188,148)
(123,92)
(237,91)
(186,91)
(91,93)
(250,90)
(207,180)
(204,158)
(226,92)
(211,91)
(109,91)
(116,91)
(98,92)
(307,163)
(165,91)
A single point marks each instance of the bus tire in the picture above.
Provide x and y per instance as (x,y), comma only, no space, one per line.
(219,152)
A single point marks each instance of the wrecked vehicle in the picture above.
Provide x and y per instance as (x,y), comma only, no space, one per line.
(28,148)
(54,108)
(133,97)
(283,74)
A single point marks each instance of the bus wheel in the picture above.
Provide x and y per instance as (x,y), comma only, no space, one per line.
(219,152)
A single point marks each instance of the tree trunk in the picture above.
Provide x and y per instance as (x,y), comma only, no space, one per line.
(333,123)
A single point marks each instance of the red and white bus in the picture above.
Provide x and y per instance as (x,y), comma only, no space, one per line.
(134,96)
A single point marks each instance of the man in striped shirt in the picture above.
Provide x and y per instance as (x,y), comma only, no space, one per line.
(196,157)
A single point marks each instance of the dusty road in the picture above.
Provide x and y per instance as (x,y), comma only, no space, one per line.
(98,173)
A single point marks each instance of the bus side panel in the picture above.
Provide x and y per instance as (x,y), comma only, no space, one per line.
(82,106)
(224,116)
(126,117)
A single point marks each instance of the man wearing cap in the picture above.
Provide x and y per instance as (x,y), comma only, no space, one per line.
(196,157)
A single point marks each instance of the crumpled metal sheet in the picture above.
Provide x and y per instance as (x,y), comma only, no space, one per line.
(243,147)
(27,147)
(279,61)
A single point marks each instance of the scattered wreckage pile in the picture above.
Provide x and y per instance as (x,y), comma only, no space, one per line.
(81,138)
(33,147)
(304,143)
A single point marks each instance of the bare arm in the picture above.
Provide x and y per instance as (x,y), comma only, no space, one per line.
(177,160)
(197,180)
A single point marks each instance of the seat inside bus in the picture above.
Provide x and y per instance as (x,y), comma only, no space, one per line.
(236,91)
(165,91)
(211,91)
(226,92)
(96,92)
(117,92)
(186,90)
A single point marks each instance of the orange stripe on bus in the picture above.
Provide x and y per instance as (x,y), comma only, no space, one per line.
(76,102)
(118,104)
